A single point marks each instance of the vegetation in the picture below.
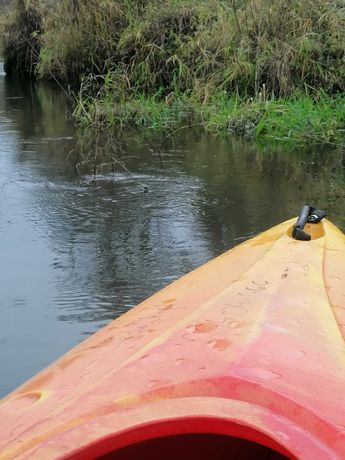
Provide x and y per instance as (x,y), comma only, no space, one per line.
(254,67)
(4,5)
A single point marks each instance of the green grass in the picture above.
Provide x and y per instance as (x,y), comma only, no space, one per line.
(305,119)
(300,118)
(256,68)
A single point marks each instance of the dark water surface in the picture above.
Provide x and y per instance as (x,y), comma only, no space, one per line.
(79,250)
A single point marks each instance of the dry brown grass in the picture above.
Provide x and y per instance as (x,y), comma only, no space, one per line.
(182,46)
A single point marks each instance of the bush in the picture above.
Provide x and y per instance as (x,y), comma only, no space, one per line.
(183,45)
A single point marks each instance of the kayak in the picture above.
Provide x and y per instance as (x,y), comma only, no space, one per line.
(242,358)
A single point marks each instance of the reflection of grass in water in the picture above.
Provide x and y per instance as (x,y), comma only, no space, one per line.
(43,108)
(98,154)
(109,151)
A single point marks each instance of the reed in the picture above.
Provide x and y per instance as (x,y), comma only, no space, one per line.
(182,45)
(240,65)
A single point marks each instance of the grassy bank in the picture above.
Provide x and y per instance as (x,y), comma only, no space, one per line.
(253,67)
(299,118)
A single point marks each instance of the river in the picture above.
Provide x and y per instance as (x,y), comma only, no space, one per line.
(78,248)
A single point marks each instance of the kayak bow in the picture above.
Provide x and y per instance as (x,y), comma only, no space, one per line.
(244,355)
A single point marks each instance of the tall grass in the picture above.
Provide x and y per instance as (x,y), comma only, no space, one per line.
(80,37)
(225,64)
(183,45)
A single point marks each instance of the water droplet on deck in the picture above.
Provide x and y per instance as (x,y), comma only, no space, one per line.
(220,344)
(283,436)
(157,383)
(22,401)
(144,357)
(208,326)
(266,374)
(153,383)
(168,301)
(260,284)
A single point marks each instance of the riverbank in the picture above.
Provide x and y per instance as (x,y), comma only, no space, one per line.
(299,118)
(246,67)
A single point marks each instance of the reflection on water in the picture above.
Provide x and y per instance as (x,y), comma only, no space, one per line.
(78,250)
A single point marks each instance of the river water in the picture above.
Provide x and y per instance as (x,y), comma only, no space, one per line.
(78,249)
